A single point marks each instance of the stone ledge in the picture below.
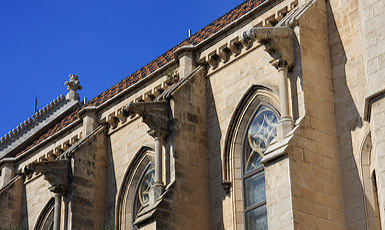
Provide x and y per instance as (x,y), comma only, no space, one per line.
(369,100)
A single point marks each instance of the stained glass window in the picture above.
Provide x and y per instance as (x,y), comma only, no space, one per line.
(142,194)
(260,133)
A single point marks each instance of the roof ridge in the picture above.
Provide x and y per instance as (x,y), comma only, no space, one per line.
(157,63)
(187,41)
(32,121)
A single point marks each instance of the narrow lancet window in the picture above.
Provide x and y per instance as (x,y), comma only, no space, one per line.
(260,133)
(143,191)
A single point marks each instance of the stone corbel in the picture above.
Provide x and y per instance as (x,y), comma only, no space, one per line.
(55,172)
(277,41)
(155,114)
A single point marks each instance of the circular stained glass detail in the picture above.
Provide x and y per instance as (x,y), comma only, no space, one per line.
(145,185)
(260,134)
(142,195)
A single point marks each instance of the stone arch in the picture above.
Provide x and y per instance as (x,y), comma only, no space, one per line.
(369,181)
(125,202)
(233,178)
(45,219)
(250,101)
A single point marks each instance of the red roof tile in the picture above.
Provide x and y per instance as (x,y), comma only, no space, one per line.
(160,61)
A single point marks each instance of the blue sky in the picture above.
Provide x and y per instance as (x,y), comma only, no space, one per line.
(42,42)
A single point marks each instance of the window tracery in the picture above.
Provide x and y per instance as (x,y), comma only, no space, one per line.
(260,133)
(45,219)
(137,177)
(142,194)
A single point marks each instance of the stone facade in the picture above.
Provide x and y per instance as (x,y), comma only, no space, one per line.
(169,150)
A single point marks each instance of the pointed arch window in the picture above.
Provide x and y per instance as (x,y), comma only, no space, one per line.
(45,220)
(143,189)
(261,132)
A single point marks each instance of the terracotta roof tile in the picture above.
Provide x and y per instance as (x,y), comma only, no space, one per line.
(56,128)
(160,61)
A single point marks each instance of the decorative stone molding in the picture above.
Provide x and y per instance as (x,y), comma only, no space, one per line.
(73,85)
(277,41)
(279,44)
(369,100)
(117,119)
(226,185)
(170,92)
(222,54)
(255,96)
(185,56)
(55,172)
(30,122)
(292,18)
(156,115)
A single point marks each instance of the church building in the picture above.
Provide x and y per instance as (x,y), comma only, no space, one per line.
(271,117)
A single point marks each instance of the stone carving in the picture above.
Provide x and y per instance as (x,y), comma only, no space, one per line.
(226,185)
(73,85)
(55,172)
(155,114)
(277,41)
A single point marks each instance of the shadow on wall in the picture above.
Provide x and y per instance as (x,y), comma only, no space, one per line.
(24,210)
(347,120)
(295,77)
(111,188)
(217,194)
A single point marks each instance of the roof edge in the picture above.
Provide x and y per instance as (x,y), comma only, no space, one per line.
(32,121)
(237,22)
(265,4)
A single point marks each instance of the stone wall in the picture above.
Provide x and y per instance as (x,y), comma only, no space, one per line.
(373,29)
(317,184)
(226,88)
(87,197)
(35,197)
(11,197)
(123,146)
(314,169)
(348,74)
(191,208)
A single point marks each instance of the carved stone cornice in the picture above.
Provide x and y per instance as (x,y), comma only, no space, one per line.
(155,114)
(55,172)
(277,41)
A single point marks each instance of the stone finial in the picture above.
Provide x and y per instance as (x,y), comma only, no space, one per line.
(72,86)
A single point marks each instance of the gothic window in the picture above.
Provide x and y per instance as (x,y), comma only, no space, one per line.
(133,195)
(142,193)
(369,181)
(45,219)
(260,133)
